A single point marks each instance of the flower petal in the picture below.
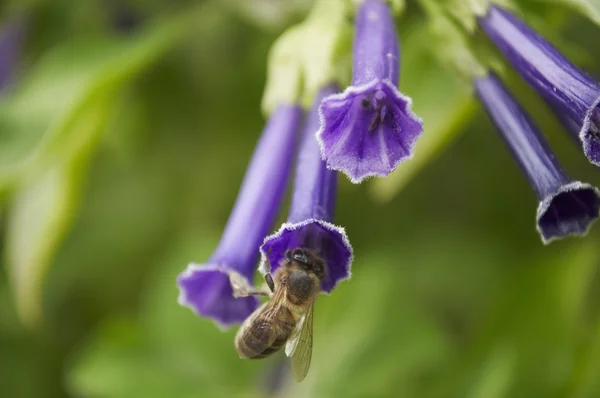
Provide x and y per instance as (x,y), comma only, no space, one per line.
(367,130)
(207,291)
(327,240)
(566,207)
(261,193)
(589,134)
(570,211)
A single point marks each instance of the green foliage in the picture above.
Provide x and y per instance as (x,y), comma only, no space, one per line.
(51,125)
(587,8)
(309,56)
(42,211)
(120,158)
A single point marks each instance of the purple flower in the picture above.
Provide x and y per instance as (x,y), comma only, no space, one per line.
(370,128)
(566,207)
(206,288)
(311,211)
(12,35)
(572,94)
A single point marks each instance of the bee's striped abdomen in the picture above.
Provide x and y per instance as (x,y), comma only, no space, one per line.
(265,335)
(273,348)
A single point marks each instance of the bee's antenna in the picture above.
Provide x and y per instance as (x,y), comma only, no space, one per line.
(270,283)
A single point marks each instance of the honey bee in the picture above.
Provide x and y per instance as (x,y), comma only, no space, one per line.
(287,318)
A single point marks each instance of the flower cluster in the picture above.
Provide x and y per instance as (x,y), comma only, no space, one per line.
(367,130)
(566,207)
(364,131)
(311,211)
(572,94)
(205,288)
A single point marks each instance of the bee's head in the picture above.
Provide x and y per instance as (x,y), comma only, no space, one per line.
(306,260)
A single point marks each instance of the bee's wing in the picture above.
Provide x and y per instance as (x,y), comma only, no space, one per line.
(299,346)
(256,333)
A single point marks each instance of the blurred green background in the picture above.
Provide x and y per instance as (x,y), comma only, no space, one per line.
(124,136)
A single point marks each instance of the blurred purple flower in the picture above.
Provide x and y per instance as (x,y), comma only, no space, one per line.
(370,128)
(206,288)
(566,207)
(311,211)
(12,35)
(572,94)
(125,19)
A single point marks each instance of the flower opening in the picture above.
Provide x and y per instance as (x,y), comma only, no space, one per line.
(572,94)
(566,207)
(311,212)
(370,128)
(206,288)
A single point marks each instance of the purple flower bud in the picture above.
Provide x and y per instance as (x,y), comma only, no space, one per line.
(311,211)
(370,128)
(566,207)
(206,288)
(572,94)
(12,35)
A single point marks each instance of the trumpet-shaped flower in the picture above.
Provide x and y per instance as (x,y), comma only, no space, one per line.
(572,94)
(311,212)
(370,128)
(206,288)
(566,207)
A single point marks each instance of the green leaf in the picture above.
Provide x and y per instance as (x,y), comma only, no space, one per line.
(539,315)
(268,14)
(49,130)
(284,70)
(369,335)
(194,340)
(42,211)
(398,6)
(575,282)
(450,43)
(496,374)
(177,353)
(326,47)
(440,99)
(587,8)
(122,362)
(309,56)
(466,12)
(585,382)
(36,121)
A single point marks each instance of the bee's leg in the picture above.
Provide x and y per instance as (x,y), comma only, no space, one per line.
(241,288)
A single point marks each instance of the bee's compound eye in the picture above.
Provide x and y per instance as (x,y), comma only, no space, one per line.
(288,256)
(299,255)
